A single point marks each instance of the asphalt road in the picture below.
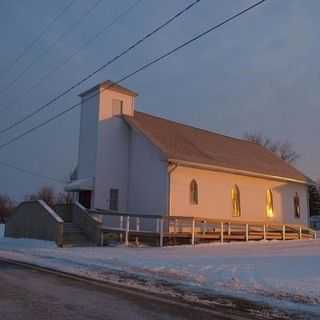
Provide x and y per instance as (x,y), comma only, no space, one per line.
(29,294)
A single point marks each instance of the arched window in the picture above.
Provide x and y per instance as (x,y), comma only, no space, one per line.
(235,195)
(269,203)
(296,204)
(194,192)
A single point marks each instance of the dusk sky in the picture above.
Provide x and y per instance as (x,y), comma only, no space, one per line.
(259,73)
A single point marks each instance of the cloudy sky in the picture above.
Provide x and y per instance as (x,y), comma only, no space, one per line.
(259,73)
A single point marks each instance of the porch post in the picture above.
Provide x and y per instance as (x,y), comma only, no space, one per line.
(247,232)
(121,228)
(127,231)
(221,232)
(300,232)
(161,232)
(193,231)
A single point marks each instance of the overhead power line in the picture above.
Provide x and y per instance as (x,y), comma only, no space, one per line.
(102,67)
(37,58)
(32,173)
(37,39)
(143,67)
(55,179)
(102,31)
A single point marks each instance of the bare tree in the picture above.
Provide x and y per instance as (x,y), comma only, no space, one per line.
(283,149)
(261,140)
(64,198)
(286,152)
(46,194)
(6,208)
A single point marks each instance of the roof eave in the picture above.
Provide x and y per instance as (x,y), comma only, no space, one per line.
(234,171)
(108,84)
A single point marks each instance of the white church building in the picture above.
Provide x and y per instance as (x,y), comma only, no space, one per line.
(136,162)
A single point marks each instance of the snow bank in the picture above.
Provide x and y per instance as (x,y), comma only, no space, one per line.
(278,271)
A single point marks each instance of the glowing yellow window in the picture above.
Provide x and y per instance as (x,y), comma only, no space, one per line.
(269,204)
(296,204)
(194,192)
(235,195)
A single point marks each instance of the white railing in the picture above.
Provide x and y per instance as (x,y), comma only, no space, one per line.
(197,229)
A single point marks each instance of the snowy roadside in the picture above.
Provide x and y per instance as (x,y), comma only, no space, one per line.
(284,274)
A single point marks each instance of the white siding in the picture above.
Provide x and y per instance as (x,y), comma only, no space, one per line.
(112,162)
(148,180)
(215,196)
(103,152)
(88,138)
(128,161)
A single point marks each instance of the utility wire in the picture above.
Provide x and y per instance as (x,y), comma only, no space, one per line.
(37,39)
(102,67)
(106,28)
(37,58)
(124,78)
(143,67)
(40,175)
(32,173)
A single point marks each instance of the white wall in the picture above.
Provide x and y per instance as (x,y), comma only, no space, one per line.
(128,161)
(148,178)
(112,162)
(105,103)
(88,138)
(119,157)
(111,169)
(215,196)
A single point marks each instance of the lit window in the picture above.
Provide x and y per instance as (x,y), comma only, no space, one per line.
(194,192)
(269,204)
(296,203)
(235,194)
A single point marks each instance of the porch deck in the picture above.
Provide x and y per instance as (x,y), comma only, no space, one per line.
(171,230)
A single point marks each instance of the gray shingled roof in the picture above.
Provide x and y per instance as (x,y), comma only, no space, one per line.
(186,143)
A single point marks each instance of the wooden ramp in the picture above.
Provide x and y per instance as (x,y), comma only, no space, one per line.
(174,230)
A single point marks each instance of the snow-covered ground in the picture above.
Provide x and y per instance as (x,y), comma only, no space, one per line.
(283,273)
